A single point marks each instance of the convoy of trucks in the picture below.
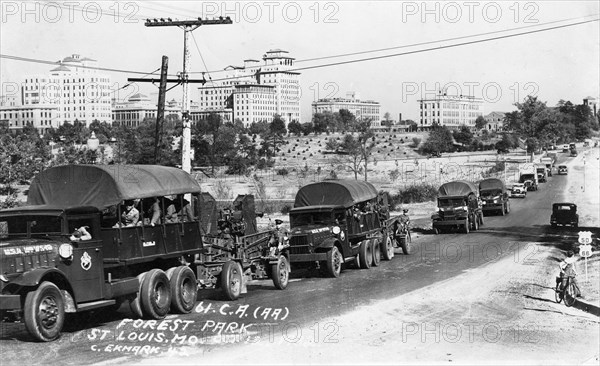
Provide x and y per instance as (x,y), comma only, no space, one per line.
(159,267)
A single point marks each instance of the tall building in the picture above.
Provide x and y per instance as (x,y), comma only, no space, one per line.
(363,110)
(78,90)
(256,91)
(452,111)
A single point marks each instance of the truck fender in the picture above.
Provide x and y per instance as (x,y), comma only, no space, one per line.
(36,276)
(328,243)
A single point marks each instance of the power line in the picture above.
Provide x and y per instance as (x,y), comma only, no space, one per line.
(442,40)
(58,63)
(429,42)
(424,50)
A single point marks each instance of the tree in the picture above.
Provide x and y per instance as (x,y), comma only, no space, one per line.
(464,135)
(23,155)
(439,140)
(277,126)
(295,128)
(356,150)
(323,122)
(480,122)
(345,120)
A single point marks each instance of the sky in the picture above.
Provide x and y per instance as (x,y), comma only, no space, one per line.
(556,64)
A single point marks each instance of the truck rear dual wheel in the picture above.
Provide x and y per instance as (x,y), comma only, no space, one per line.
(280,273)
(44,312)
(365,255)
(155,294)
(184,289)
(376,251)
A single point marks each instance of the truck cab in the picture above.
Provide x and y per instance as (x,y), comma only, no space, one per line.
(494,196)
(530,180)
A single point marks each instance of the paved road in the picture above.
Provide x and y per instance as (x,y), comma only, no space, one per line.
(265,312)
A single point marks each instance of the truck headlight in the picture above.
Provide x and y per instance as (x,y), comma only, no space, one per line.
(65,251)
(336,230)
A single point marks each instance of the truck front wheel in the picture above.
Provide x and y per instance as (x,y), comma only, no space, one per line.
(44,312)
(184,289)
(155,294)
(231,280)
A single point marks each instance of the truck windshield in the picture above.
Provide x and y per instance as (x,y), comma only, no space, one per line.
(525,177)
(29,225)
(311,218)
(450,202)
(491,193)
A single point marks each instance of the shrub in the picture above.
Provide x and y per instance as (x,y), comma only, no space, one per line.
(416,141)
(285,209)
(415,193)
(283,172)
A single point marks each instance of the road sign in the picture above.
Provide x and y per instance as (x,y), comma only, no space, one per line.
(585,237)
(585,250)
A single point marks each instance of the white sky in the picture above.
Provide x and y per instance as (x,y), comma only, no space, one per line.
(557,64)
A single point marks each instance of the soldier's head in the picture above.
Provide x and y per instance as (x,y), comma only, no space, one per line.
(570,253)
(405,211)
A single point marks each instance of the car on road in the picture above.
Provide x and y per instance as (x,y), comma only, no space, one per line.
(562,169)
(565,148)
(518,190)
(564,214)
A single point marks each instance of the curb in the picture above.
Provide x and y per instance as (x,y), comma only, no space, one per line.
(587,307)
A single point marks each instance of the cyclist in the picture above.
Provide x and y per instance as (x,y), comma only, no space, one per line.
(567,268)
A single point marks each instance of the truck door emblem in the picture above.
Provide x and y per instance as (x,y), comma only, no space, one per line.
(86,261)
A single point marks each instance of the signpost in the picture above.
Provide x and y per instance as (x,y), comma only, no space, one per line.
(585,249)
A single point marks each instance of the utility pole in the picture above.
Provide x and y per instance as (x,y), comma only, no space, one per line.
(187,26)
(162,92)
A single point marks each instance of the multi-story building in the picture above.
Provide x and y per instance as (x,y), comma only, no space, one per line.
(255,92)
(363,110)
(75,87)
(452,111)
(42,117)
(494,121)
(139,107)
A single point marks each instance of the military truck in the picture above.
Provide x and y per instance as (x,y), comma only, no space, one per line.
(529,177)
(48,270)
(494,196)
(337,222)
(459,207)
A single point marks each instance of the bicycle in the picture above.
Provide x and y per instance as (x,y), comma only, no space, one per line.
(565,289)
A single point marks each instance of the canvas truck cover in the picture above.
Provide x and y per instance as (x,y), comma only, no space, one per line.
(492,183)
(335,192)
(106,185)
(457,188)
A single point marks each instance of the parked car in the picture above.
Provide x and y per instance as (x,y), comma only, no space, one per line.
(562,169)
(518,190)
(564,214)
